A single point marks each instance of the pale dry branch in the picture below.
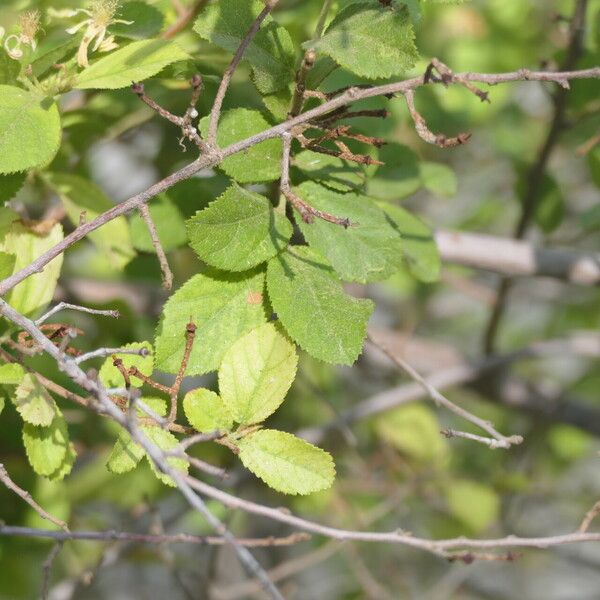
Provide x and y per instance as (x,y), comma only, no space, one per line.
(498,440)
(66,306)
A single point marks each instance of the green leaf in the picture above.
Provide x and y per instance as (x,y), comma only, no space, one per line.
(370,40)
(11,374)
(111,377)
(165,440)
(9,69)
(7,217)
(10,185)
(590,219)
(331,171)
(271,51)
(223,307)
(37,290)
(418,244)
(256,374)
(135,62)
(439,179)
(29,129)
(399,177)
(261,162)
(33,402)
(287,463)
(7,264)
(238,231)
(475,504)
(415,431)
(66,464)
(125,455)
(313,307)
(369,250)
(50,52)
(46,447)
(147,21)
(206,412)
(80,195)
(170,226)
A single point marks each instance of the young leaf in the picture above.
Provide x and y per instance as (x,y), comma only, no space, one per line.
(370,40)
(78,195)
(11,374)
(46,447)
(286,463)
(66,464)
(134,62)
(259,163)
(238,231)
(9,69)
(29,129)
(206,412)
(369,250)
(313,307)
(111,377)
(165,440)
(223,307)
(256,373)
(271,51)
(125,455)
(26,244)
(418,245)
(34,403)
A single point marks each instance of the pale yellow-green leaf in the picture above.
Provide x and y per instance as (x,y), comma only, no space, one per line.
(476,504)
(286,463)
(11,374)
(33,402)
(110,376)
(37,290)
(256,374)
(46,447)
(125,455)
(165,440)
(206,412)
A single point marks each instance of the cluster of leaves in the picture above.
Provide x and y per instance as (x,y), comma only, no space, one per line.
(243,236)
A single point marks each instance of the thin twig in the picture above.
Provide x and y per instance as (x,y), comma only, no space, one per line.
(226,79)
(26,496)
(190,334)
(167,274)
(589,517)
(104,352)
(498,441)
(65,305)
(147,538)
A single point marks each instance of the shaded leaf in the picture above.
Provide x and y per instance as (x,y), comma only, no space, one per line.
(477,505)
(271,51)
(125,455)
(439,179)
(165,440)
(369,250)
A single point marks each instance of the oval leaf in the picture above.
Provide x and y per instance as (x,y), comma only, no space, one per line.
(29,129)
(34,403)
(238,231)
(46,447)
(313,307)
(256,373)
(287,463)
(206,412)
